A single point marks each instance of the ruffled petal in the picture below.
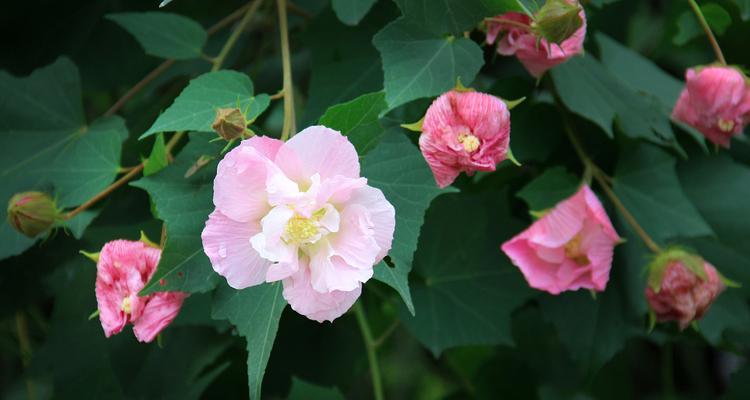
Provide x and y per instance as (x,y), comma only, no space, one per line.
(382,215)
(316,305)
(226,242)
(320,150)
(161,309)
(329,272)
(240,184)
(538,273)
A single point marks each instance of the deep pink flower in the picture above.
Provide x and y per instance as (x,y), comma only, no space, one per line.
(464,131)
(683,296)
(298,212)
(568,248)
(535,53)
(715,101)
(123,269)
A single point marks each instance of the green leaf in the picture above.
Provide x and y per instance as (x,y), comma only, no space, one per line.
(587,89)
(184,205)
(646,182)
(351,12)
(593,330)
(441,17)
(419,64)
(688,27)
(256,312)
(195,108)
(642,75)
(397,168)
(545,191)
(46,145)
(467,289)
(157,160)
(302,390)
(744,6)
(163,34)
(729,312)
(358,120)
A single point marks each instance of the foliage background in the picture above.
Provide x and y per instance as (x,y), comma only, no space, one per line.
(477,330)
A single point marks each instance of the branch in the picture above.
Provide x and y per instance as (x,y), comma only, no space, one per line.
(289,127)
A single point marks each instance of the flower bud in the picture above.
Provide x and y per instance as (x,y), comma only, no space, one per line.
(229,123)
(681,286)
(32,213)
(557,20)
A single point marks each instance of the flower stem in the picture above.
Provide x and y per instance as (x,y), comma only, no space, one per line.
(601,179)
(707,29)
(289,128)
(370,345)
(24,345)
(246,17)
(156,72)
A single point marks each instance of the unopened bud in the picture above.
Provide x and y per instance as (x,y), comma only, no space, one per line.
(32,213)
(229,123)
(557,20)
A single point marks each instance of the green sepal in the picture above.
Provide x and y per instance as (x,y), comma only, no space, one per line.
(148,241)
(512,158)
(511,104)
(91,256)
(414,126)
(658,266)
(460,86)
(94,314)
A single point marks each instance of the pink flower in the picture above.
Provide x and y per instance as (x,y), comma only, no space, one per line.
(300,213)
(464,131)
(715,101)
(123,269)
(683,296)
(534,52)
(568,248)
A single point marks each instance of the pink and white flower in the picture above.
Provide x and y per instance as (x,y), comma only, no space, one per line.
(716,102)
(568,248)
(122,271)
(535,53)
(298,212)
(464,132)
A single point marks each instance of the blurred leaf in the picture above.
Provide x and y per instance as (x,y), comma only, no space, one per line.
(467,289)
(195,108)
(646,182)
(419,64)
(163,34)
(256,312)
(534,138)
(642,75)
(184,205)
(302,390)
(593,330)
(688,27)
(46,145)
(744,6)
(545,191)
(157,160)
(397,168)
(453,16)
(739,384)
(728,312)
(358,120)
(587,89)
(351,12)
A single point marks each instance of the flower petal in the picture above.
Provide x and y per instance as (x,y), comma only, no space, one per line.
(240,184)
(320,150)
(382,215)
(226,242)
(329,272)
(161,309)
(316,305)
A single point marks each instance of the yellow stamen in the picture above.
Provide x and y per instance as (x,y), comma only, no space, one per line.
(300,229)
(726,125)
(470,142)
(573,251)
(125,306)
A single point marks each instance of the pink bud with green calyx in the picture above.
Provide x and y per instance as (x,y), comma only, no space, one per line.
(32,213)
(681,286)
(557,20)
(230,123)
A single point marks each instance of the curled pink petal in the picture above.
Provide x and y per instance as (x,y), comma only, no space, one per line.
(464,132)
(123,269)
(568,248)
(716,102)
(315,305)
